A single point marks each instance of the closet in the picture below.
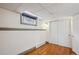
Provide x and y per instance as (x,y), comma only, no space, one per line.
(59,32)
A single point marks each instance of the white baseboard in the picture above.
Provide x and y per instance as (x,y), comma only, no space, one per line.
(40,44)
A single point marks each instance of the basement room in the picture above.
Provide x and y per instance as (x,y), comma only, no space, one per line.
(39,28)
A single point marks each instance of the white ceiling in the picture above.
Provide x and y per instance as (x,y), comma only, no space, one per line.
(44,10)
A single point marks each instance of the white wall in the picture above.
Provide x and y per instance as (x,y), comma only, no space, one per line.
(75,33)
(12,20)
(15,42)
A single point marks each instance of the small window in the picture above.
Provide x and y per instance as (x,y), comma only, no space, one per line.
(28,19)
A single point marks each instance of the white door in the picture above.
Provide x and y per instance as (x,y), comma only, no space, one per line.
(75,33)
(53,33)
(59,33)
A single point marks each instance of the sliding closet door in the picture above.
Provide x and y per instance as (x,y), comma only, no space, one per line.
(53,31)
(59,32)
(64,33)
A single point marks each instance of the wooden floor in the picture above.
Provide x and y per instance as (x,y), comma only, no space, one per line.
(51,49)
